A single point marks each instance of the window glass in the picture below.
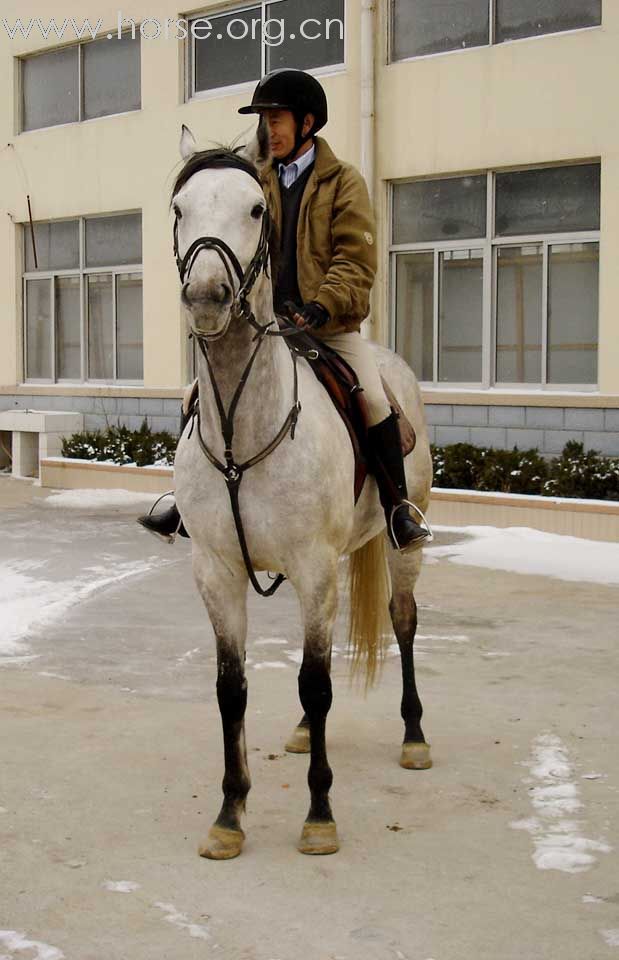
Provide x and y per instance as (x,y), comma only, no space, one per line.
(57,245)
(550,200)
(414,334)
(421,27)
(231,54)
(129,360)
(519,314)
(38,330)
(100,327)
(530,18)
(111,75)
(68,328)
(50,88)
(439,209)
(113,241)
(306,43)
(573,313)
(461,316)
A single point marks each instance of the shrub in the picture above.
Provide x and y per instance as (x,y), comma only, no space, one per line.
(575,473)
(121,445)
(586,475)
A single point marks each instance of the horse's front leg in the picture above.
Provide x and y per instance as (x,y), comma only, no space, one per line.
(225,596)
(319,606)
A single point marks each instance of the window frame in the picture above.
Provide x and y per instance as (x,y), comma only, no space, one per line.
(490,245)
(82,271)
(191,94)
(492,41)
(80,84)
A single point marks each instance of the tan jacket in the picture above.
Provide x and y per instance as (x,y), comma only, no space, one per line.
(336,239)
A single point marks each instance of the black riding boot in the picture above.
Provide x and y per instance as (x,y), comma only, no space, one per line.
(168,523)
(388,467)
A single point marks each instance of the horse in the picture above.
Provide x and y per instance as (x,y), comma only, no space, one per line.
(263,416)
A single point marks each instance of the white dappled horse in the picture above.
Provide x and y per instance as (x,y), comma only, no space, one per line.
(297,503)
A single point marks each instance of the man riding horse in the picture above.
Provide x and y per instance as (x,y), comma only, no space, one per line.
(327,264)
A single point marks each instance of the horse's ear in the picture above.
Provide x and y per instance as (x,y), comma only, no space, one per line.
(187,144)
(258,151)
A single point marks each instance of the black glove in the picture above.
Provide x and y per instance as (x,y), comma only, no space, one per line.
(314,314)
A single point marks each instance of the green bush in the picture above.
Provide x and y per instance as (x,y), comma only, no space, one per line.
(586,475)
(121,445)
(576,473)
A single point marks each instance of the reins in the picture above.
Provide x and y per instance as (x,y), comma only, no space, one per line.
(231,470)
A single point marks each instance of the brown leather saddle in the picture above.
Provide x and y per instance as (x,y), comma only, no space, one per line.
(341,383)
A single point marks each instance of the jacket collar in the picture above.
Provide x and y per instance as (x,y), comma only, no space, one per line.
(325,164)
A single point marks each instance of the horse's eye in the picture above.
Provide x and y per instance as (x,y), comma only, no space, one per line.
(257,211)
(177,212)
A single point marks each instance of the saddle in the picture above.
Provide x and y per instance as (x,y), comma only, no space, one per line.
(341,383)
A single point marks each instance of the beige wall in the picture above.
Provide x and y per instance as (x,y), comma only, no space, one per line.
(543,100)
(533,101)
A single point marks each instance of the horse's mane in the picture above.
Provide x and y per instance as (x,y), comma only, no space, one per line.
(223,156)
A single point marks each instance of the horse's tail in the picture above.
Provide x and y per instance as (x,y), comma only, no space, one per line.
(369,628)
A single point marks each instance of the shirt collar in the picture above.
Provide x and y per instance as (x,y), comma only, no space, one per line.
(301,163)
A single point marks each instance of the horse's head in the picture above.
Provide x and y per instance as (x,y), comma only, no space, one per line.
(220,226)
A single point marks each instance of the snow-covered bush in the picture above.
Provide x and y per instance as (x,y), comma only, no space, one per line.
(121,445)
(575,473)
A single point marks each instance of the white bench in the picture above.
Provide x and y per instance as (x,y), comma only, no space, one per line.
(35,434)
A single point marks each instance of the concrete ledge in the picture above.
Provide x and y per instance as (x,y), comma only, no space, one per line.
(591,519)
(65,474)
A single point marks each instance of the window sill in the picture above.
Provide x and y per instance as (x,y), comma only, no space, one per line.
(517,398)
(91,390)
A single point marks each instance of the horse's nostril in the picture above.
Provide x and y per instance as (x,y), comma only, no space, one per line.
(226,293)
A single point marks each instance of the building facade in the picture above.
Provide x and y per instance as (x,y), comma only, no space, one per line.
(484,127)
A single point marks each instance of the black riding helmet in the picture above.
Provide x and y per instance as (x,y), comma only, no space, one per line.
(292,90)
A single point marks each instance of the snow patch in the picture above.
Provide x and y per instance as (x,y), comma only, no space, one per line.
(522,550)
(120,886)
(14,941)
(611,937)
(180,920)
(270,641)
(27,601)
(270,665)
(558,842)
(97,499)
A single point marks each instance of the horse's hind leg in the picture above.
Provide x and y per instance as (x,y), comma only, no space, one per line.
(319,603)
(225,598)
(404,573)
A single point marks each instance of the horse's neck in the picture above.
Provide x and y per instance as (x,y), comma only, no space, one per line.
(268,393)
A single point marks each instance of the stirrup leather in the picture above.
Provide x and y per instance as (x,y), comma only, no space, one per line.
(430,537)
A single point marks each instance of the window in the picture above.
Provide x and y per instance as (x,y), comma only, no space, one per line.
(80,82)
(501,293)
(83,299)
(241,45)
(422,27)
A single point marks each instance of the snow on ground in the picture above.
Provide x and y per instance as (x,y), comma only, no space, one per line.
(93,499)
(28,599)
(522,550)
(558,840)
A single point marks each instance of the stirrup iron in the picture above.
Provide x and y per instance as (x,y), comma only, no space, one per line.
(430,536)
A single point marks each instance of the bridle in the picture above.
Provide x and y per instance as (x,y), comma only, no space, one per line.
(241,309)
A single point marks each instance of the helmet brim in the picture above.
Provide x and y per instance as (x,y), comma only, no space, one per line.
(257,107)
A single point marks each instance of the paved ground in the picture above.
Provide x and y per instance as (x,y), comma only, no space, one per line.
(110,755)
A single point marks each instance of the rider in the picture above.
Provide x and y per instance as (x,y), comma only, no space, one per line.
(327,266)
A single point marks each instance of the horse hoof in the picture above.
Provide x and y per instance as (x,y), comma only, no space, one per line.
(318,839)
(222,844)
(299,741)
(416,756)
